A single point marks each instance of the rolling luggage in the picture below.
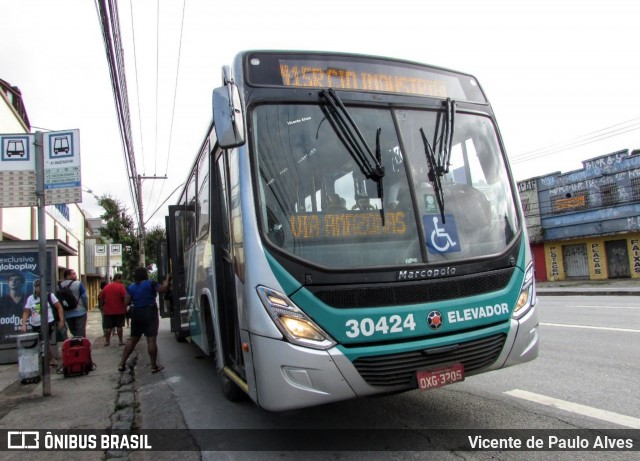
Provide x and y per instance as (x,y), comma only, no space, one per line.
(76,356)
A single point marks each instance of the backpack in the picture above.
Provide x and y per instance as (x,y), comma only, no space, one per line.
(66,297)
(53,308)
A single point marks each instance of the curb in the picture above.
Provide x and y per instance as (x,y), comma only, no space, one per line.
(586,292)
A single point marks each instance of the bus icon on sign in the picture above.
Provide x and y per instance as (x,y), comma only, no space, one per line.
(15,147)
(60,145)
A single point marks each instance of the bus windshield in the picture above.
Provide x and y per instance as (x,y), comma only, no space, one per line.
(319,202)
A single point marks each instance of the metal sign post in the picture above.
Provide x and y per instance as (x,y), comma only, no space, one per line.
(47,175)
(42,257)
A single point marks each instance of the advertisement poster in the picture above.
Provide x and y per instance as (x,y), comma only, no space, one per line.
(18,270)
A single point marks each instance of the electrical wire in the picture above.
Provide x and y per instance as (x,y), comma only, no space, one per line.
(175,93)
(135,66)
(109,23)
(588,138)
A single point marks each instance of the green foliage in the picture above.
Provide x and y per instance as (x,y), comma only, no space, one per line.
(152,236)
(120,228)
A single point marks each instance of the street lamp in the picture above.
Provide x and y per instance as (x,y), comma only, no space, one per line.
(89,191)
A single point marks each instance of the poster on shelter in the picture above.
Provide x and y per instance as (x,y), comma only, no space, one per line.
(18,271)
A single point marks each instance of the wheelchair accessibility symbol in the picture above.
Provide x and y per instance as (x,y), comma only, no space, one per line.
(441,237)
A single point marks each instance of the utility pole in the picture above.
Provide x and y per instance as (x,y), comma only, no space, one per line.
(141,230)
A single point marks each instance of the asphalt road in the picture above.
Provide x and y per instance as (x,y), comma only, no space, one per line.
(585,378)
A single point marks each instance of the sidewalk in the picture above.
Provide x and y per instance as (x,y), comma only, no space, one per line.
(613,287)
(103,399)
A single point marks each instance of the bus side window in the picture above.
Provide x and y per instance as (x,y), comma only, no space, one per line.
(203,194)
(223,202)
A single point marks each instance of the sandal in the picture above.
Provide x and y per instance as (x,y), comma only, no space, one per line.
(157,369)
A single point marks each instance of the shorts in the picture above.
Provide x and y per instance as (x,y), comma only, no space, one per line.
(77,325)
(144,321)
(112,321)
(36,329)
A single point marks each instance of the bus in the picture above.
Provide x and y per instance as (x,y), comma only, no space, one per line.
(350,227)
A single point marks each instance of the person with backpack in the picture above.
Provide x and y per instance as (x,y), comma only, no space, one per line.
(74,301)
(32,312)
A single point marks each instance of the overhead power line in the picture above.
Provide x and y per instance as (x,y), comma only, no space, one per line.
(110,24)
(588,138)
(135,68)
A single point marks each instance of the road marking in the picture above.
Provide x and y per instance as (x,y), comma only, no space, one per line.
(583,410)
(627,330)
(608,307)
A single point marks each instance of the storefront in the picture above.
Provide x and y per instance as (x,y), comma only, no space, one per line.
(601,258)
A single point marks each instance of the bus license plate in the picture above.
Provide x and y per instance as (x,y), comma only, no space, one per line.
(431,379)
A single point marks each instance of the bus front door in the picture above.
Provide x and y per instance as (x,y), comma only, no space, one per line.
(232,369)
(175,237)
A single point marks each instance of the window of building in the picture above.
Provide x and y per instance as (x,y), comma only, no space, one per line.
(635,188)
(608,194)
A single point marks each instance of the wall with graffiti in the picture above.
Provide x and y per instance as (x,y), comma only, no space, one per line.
(588,219)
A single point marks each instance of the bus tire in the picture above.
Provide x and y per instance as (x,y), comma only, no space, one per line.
(180,335)
(229,389)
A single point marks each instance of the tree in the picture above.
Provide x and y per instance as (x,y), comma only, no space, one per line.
(153,235)
(120,228)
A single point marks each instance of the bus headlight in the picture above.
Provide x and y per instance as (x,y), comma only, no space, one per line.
(294,324)
(527,297)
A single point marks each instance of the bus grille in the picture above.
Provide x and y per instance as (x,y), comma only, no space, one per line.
(400,369)
(414,292)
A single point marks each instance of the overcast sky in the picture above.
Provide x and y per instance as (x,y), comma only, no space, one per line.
(558,73)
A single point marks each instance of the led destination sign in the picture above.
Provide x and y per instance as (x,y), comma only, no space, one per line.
(360,73)
(346,79)
(318,226)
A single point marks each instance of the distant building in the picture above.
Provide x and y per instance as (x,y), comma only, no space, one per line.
(14,114)
(585,224)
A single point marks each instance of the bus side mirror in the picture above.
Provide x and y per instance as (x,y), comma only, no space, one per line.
(228,117)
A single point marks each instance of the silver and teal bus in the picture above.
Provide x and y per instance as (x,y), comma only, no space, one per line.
(350,227)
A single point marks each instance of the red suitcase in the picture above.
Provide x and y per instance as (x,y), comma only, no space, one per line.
(76,356)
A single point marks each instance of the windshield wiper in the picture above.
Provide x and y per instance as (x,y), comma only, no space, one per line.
(352,137)
(439,164)
(380,187)
(435,176)
(353,140)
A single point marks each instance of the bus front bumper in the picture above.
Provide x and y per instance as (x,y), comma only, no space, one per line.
(290,376)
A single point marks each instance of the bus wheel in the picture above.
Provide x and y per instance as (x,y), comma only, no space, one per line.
(229,389)
(180,336)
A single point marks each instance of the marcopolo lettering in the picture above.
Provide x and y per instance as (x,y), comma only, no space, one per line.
(474,313)
(426,273)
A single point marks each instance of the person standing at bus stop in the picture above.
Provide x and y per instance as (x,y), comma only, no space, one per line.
(32,312)
(144,315)
(76,318)
(113,308)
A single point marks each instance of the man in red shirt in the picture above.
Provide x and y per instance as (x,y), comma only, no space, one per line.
(113,308)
